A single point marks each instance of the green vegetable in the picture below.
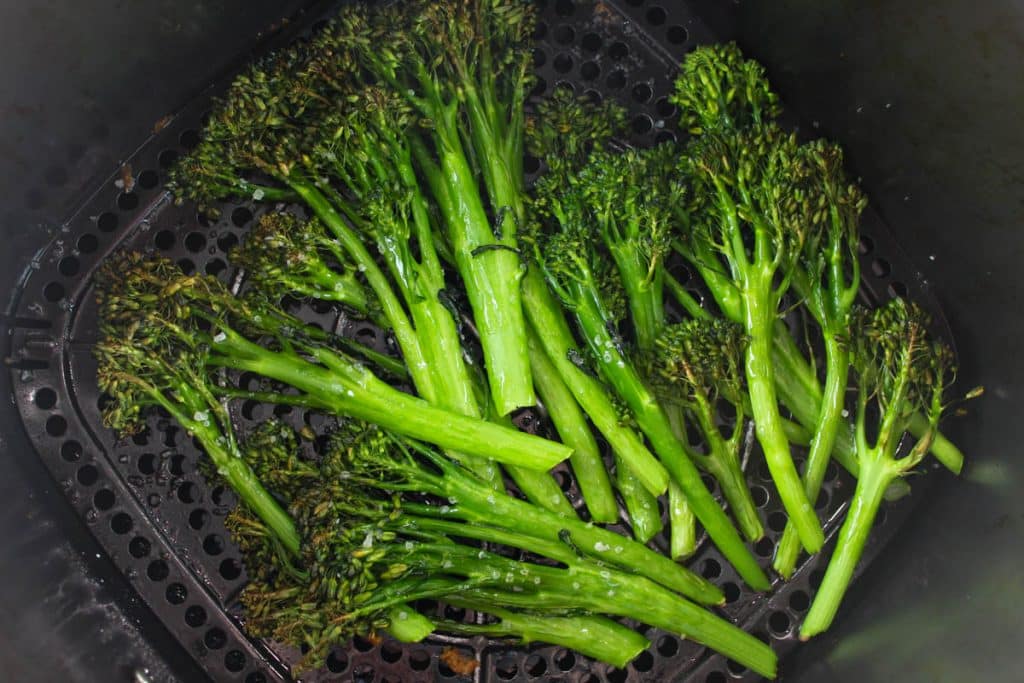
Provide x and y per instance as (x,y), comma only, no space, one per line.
(901,371)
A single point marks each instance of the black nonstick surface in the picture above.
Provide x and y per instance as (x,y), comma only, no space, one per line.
(111,217)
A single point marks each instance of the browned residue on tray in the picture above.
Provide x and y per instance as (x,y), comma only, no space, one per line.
(459,662)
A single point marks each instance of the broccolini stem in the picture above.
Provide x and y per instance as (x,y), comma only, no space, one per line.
(602,639)
(352,390)
(229,463)
(641,504)
(723,463)
(837,359)
(874,479)
(586,585)
(587,464)
(653,421)
(407,625)
(682,524)
(378,281)
(491,270)
(759,319)
(474,503)
(546,314)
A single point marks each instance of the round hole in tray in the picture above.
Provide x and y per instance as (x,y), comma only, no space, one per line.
(506,669)
(641,92)
(643,662)
(148,179)
(540,58)
(107,222)
(764,547)
(198,518)
(213,545)
(45,398)
(564,8)
(103,500)
(227,241)
(563,63)
(731,590)
(664,107)
(362,644)
(443,670)
(215,638)
(147,464)
(121,523)
(68,266)
(166,158)
(138,547)
(777,521)
(735,669)
(564,34)
(642,124)
(897,289)
(540,30)
(591,42)
(87,243)
(539,86)
(617,675)
(71,451)
(390,652)
(164,240)
(157,570)
(667,646)
(565,659)
(676,35)
(715,677)
(195,242)
(536,666)
(241,216)
(230,569)
(778,624)
(616,79)
(618,51)
(656,16)
(127,201)
(799,601)
(337,661)
(195,616)
(53,292)
(234,661)
(188,492)
(710,568)
(87,475)
(176,594)
(589,71)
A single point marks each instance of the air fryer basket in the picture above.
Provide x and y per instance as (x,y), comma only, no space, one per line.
(162,525)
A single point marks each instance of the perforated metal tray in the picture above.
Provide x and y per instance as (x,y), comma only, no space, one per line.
(162,525)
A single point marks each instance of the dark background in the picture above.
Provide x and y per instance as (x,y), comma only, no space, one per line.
(927,97)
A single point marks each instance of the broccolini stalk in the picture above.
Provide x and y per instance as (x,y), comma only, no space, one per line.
(381,465)
(143,365)
(599,589)
(568,419)
(900,370)
(286,597)
(604,640)
(184,305)
(746,181)
(579,277)
(683,534)
(459,63)
(827,278)
(696,363)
